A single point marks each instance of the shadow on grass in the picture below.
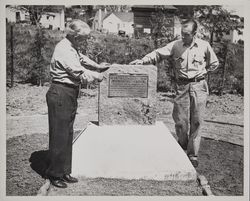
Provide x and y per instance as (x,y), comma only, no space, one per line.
(39,162)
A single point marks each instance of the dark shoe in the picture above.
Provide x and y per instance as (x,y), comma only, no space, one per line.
(57,182)
(67,178)
(183,146)
(194,162)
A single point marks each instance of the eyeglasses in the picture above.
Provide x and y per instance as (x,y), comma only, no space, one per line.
(187,35)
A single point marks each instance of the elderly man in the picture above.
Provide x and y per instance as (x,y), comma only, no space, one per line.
(67,73)
(193,58)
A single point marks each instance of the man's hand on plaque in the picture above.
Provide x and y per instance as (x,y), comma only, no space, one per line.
(103,67)
(136,62)
(90,76)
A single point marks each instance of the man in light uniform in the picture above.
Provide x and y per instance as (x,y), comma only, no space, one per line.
(67,73)
(193,58)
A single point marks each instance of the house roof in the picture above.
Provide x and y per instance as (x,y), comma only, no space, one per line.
(103,15)
(167,7)
(123,16)
(17,8)
(54,9)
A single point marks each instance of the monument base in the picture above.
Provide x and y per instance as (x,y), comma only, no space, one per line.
(130,152)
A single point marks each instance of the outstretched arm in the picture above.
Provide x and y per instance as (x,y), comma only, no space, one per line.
(155,56)
(92,65)
(68,60)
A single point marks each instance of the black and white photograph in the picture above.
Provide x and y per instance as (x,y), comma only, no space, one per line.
(127,99)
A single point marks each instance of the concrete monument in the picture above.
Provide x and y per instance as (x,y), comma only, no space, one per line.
(129,143)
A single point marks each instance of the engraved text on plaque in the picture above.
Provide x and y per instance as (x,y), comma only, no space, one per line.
(128,85)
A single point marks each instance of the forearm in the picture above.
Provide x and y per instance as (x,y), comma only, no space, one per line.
(90,76)
(158,54)
(212,66)
(151,58)
(85,61)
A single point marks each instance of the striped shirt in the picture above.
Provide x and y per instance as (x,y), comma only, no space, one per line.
(67,64)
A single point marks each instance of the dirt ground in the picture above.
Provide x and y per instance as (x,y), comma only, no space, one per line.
(221,153)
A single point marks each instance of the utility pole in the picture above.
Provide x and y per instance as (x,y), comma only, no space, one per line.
(12,57)
(224,70)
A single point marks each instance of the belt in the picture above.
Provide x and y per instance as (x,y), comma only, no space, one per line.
(195,79)
(66,84)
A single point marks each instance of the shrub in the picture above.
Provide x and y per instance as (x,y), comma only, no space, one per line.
(122,50)
(22,38)
(30,42)
(116,49)
(33,49)
(231,69)
(235,68)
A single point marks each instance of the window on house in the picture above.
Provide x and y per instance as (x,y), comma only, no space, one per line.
(18,17)
(147,30)
(118,26)
(27,17)
(240,32)
(47,17)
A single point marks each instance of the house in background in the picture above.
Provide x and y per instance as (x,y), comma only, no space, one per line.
(143,19)
(234,36)
(119,21)
(53,18)
(16,14)
(113,22)
(97,23)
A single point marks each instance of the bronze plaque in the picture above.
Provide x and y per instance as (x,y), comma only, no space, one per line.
(128,85)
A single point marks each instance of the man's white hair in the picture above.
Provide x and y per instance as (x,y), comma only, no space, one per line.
(77,27)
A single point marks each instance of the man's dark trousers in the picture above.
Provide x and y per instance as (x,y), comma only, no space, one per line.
(62,106)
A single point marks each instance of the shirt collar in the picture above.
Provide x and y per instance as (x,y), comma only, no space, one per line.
(193,44)
(68,42)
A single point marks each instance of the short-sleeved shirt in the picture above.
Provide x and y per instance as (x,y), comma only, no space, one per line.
(189,62)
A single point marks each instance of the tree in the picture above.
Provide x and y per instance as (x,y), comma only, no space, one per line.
(114,8)
(37,49)
(36,74)
(82,12)
(162,24)
(217,20)
(36,11)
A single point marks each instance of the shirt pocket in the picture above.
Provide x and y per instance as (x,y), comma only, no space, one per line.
(198,60)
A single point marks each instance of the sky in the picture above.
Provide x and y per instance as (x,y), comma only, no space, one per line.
(236,9)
